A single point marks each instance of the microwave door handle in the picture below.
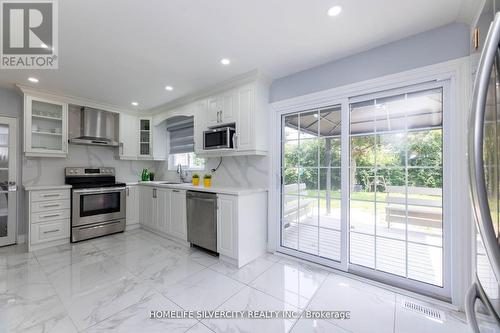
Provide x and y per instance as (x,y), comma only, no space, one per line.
(478,189)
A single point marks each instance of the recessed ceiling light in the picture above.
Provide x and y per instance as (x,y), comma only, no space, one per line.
(225,61)
(334,11)
(134,103)
(33,79)
(169,88)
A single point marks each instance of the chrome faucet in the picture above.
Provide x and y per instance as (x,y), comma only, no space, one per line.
(181,173)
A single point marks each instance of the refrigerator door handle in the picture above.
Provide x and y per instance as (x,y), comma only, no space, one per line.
(479,193)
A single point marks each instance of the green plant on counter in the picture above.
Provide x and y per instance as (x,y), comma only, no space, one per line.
(207,176)
(195,175)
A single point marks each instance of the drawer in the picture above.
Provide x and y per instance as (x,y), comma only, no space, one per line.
(49,231)
(50,216)
(44,206)
(49,195)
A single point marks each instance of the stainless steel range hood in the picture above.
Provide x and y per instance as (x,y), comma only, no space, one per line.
(93,127)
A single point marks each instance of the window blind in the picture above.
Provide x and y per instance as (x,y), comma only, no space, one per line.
(181,136)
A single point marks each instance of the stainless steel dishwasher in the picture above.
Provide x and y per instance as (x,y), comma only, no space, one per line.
(202,219)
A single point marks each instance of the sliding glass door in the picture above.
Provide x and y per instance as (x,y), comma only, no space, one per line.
(311,209)
(379,211)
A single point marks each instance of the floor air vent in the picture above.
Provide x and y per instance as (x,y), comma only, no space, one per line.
(424,310)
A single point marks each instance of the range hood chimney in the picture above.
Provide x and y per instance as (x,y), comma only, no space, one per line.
(97,127)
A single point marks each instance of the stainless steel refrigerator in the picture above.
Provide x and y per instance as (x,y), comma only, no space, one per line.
(483,297)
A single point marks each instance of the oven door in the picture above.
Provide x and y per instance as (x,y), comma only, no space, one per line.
(97,205)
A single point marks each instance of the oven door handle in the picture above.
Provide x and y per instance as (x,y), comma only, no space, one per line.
(100,190)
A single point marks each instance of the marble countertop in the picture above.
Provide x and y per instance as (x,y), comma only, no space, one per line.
(191,187)
(46,187)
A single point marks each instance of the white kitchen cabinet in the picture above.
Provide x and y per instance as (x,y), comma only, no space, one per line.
(132,207)
(48,217)
(129,137)
(227,216)
(45,127)
(245,136)
(161,208)
(177,212)
(244,106)
(222,109)
(200,116)
(146,206)
(145,138)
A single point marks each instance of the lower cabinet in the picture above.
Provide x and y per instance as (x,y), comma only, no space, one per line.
(226,225)
(163,210)
(242,227)
(49,218)
(178,218)
(132,206)
(146,206)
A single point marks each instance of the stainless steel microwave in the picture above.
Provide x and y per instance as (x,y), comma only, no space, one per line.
(219,138)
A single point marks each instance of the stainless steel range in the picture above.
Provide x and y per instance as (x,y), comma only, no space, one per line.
(98,205)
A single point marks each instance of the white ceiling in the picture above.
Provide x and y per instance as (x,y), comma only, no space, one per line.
(119,51)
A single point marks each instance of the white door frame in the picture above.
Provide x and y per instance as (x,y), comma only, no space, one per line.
(457,72)
(11,237)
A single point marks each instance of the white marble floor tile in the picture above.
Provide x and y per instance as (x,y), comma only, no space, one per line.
(408,321)
(245,274)
(33,308)
(71,249)
(205,290)
(371,308)
(292,283)
(117,246)
(199,328)
(17,260)
(316,326)
(14,278)
(13,249)
(85,277)
(250,299)
(136,318)
(93,307)
(53,262)
(143,263)
(173,270)
(203,258)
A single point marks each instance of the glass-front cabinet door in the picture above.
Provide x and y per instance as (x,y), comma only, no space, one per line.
(45,131)
(145,137)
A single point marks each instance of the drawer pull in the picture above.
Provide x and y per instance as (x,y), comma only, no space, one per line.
(53,205)
(50,195)
(50,231)
(52,215)
(175,191)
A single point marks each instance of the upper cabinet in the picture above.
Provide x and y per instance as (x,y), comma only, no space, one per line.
(45,127)
(145,138)
(245,108)
(129,137)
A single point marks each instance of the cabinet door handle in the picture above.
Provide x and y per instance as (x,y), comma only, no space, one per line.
(50,231)
(154,193)
(51,215)
(128,191)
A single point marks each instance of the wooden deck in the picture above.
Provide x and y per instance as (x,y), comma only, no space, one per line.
(386,254)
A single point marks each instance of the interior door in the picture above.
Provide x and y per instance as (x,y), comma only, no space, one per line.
(8,186)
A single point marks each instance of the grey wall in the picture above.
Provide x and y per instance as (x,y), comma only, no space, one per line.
(11,105)
(431,47)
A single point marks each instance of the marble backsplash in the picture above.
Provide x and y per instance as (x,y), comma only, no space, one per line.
(239,171)
(50,171)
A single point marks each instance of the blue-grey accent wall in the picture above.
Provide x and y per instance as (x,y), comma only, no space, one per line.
(427,48)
